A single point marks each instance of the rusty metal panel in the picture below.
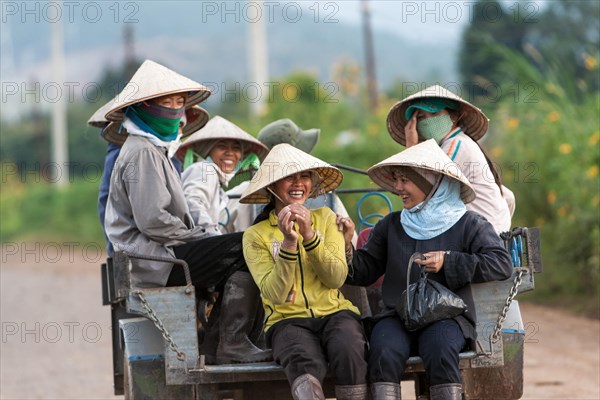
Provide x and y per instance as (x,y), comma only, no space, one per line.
(145,379)
(534,253)
(504,382)
(255,390)
(250,372)
(175,307)
(121,276)
(489,299)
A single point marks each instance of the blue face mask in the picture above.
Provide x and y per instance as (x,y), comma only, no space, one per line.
(435,127)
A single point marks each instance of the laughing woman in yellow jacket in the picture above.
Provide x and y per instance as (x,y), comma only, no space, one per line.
(297,259)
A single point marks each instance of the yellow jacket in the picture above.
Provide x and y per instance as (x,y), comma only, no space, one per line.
(301,284)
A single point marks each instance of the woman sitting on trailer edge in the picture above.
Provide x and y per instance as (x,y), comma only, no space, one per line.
(296,256)
(460,247)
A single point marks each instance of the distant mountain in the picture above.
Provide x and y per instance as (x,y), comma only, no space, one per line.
(214,48)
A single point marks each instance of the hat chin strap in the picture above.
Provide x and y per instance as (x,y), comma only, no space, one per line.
(431,193)
(285,203)
(456,123)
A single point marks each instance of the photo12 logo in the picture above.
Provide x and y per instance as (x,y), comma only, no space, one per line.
(51,332)
(270,11)
(461,11)
(69,11)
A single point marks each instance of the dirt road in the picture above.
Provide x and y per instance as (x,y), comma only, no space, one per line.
(56,335)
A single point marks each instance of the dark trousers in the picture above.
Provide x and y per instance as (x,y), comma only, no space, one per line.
(311,345)
(438,345)
(211,260)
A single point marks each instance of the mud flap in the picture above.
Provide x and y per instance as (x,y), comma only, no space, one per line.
(504,382)
(144,363)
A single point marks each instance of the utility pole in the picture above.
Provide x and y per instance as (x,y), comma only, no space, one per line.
(369,56)
(259,69)
(59,114)
(129,44)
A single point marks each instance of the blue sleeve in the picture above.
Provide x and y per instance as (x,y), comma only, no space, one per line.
(177,164)
(112,153)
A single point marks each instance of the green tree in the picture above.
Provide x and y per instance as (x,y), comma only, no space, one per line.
(547,147)
(562,30)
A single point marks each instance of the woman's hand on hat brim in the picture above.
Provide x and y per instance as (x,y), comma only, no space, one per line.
(410,130)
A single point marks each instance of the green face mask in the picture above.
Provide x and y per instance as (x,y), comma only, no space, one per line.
(435,127)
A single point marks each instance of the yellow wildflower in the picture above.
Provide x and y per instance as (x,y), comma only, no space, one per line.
(595,138)
(539,222)
(565,148)
(590,62)
(551,197)
(562,211)
(373,129)
(551,88)
(553,116)
(512,123)
(497,151)
(290,93)
(592,171)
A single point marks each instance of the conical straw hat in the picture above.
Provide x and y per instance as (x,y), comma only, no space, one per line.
(220,128)
(154,80)
(425,156)
(285,160)
(474,121)
(196,118)
(97,119)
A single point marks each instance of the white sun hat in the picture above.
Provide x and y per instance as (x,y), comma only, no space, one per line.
(285,160)
(153,80)
(474,121)
(219,128)
(98,119)
(427,156)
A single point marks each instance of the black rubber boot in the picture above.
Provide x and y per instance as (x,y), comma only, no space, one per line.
(351,392)
(257,333)
(238,313)
(307,387)
(385,391)
(447,391)
(210,341)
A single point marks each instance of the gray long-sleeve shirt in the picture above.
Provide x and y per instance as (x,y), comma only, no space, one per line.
(146,211)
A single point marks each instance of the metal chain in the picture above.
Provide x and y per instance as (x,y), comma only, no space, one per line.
(495,336)
(159,325)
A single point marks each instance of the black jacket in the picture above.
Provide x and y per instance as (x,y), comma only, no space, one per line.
(477,254)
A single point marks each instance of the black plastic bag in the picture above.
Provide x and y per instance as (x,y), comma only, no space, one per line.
(426,301)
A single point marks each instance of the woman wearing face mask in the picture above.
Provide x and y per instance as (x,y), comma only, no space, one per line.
(147,212)
(211,158)
(455,125)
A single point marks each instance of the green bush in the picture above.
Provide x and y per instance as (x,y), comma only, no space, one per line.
(40,211)
(547,146)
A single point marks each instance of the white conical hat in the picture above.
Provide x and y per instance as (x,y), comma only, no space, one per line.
(97,119)
(196,118)
(425,156)
(473,120)
(154,80)
(220,128)
(285,160)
